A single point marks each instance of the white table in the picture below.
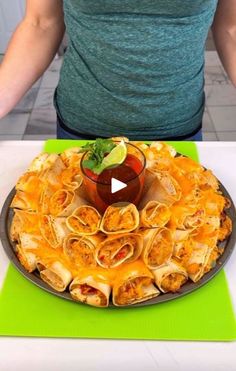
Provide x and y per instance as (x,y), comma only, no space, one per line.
(22,354)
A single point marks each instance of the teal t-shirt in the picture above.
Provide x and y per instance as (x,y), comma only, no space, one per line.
(134,68)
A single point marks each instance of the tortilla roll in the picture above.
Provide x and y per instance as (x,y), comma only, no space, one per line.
(120,217)
(134,284)
(208,179)
(71,157)
(81,250)
(71,178)
(198,261)
(25,201)
(180,235)
(160,163)
(115,250)
(149,178)
(184,217)
(45,161)
(45,197)
(23,221)
(85,221)
(163,148)
(170,277)
(183,251)
(54,274)
(187,165)
(64,202)
(54,230)
(28,182)
(154,214)
(52,173)
(91,290)
(158,247)
(27,258)
(25,250)
(163,189)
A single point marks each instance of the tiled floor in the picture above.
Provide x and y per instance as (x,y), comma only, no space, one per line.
(34,117)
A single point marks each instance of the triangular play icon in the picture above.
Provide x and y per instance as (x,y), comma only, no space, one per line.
(117,185)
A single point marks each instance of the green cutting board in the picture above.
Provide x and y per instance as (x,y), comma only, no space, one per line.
(206,314)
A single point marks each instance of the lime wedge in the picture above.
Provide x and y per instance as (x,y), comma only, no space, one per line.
(116,157)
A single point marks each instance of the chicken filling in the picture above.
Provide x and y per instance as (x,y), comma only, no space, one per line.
(87,290)
(86,220)
(118,220)
(132,290)
(173,282)
(80,253)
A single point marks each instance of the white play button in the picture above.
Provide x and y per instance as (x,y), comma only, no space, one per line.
(117,185)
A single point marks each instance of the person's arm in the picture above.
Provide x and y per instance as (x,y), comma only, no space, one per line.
(224,34)
(31,50)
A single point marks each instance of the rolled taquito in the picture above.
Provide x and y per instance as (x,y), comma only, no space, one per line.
(85,220)
(54,230)
(23,222)
(71,178)
(122,248)
(198,261)
(164,189)
(134,283)
(64,202)
(26,250)
(154,214)
(120,218)
(92,289)
(158,247)
(81,250)
(170,277)
(71,157)
(55,274)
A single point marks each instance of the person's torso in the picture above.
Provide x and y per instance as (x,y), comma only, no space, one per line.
(134,65)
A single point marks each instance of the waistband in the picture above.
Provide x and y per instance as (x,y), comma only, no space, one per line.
(91,136)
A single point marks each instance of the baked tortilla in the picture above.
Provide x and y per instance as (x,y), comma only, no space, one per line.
(198,261)
(26,250)
(154,215)
(71,178)
(23,222)
(170,277)
(43,161)
(134,284)
(119,249)
(54,230)
(187,217)
(71,157)
(158,247)
(25,201)
(91,290)
(51,174)
(81,250)
(55,274)
(163,189)
(85,221)
(64,202)
(120,217)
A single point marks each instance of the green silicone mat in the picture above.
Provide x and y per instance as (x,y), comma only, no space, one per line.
(206,314)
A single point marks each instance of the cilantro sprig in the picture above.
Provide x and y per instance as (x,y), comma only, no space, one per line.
(96,153)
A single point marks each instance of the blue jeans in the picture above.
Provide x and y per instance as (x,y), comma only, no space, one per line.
(195,138)
(63,134)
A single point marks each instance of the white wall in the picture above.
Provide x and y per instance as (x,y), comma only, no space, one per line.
(11,12)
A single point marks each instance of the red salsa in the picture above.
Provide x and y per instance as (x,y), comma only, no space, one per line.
(130,172)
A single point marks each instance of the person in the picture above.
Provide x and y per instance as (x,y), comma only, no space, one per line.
(132,68)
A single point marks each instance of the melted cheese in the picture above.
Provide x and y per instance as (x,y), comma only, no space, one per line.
(197,206)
